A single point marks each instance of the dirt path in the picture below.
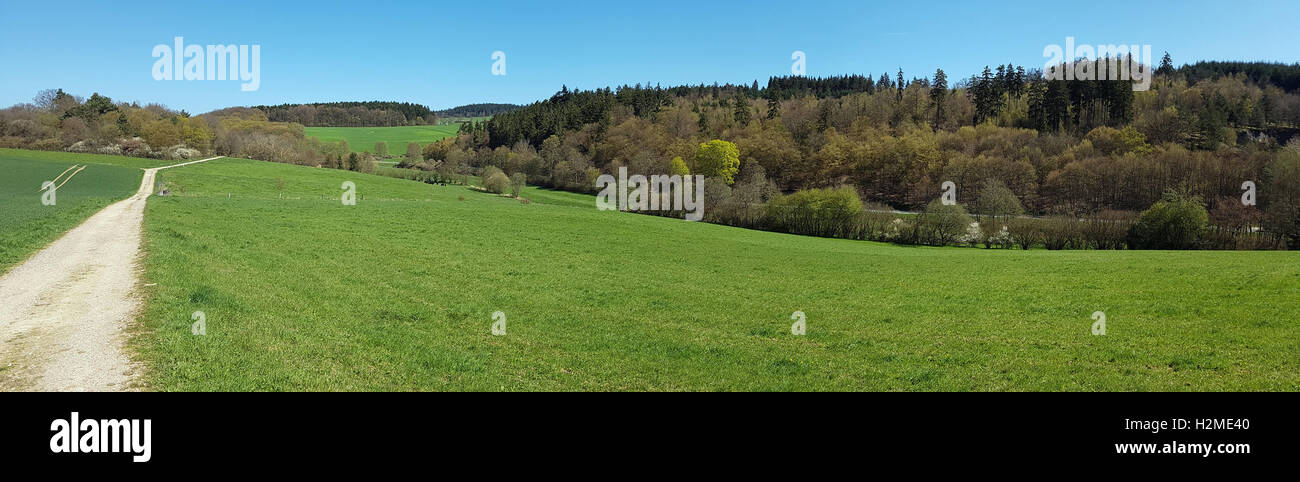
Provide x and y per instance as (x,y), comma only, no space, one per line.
(65,309)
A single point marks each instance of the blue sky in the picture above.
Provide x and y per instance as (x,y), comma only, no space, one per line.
(439,53)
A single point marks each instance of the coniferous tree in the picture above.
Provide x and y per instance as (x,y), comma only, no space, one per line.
(1000,81)
(938,91)
(901,86)
(1166,65)
(988,101)
(1020,81)
(773,107)
(742,114)
(1036,93)
(1056,105)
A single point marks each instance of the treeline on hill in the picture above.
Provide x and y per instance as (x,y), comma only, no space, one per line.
(1091,156)
(56,120)
(351,114)
(1286,77)
(477,110)
(1096,164)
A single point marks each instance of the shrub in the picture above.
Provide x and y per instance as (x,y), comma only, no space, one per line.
(496,181)
(1283,218)
(181,152)
(1025,233)
(1107,229)
(517,183)
(1231,214)
(135,147)
(487,172)
(366,163)
(23,128)
(816,212)
(47,145)
(942,224)
(1061,233)
(1115,142)
(413,152)
(974,235)
(438,151)
(716,193)
(1175,222)
(874,225)
(161,133)
(1220,238)
(901,231)
(997,236)
(997,201)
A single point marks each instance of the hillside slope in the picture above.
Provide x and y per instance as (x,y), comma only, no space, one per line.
(398,293)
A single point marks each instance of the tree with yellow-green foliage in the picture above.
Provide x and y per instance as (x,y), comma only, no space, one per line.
(677,167)
(160,133)
(718,158)
(194,132)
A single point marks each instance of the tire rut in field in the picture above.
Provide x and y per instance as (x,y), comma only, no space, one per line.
(67,308)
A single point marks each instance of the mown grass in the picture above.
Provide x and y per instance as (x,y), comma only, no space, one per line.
(299,296)
(363,139)
(26,225)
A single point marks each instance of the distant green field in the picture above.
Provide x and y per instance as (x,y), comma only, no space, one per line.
(456,120)
(363,139)
(298,297)
(79,158)
(26,225)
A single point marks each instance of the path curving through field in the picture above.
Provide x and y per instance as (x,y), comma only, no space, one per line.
(64,311)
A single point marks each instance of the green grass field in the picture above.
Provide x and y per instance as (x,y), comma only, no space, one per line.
(26,225)
(298,295)
(363,139)
(456,120)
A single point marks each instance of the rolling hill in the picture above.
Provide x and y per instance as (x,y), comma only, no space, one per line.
(400,292)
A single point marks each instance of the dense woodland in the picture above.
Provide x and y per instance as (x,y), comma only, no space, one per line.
(1079,150)
(477,110)
(831,156)
(374,113)
(351,114)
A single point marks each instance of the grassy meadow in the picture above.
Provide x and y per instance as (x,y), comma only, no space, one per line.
(299,296)
(26,225)
(457,120)
(363,139)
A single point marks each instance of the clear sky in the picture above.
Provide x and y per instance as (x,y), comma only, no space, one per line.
(439,53)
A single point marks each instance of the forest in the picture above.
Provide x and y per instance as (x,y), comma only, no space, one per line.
(351,114)
(1082,153)
(477,110)
(1033,163)
(374,113)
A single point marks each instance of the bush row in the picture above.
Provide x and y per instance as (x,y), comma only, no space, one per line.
(1175,223)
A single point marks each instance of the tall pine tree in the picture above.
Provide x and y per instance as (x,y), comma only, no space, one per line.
(901,85)
(938,91)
